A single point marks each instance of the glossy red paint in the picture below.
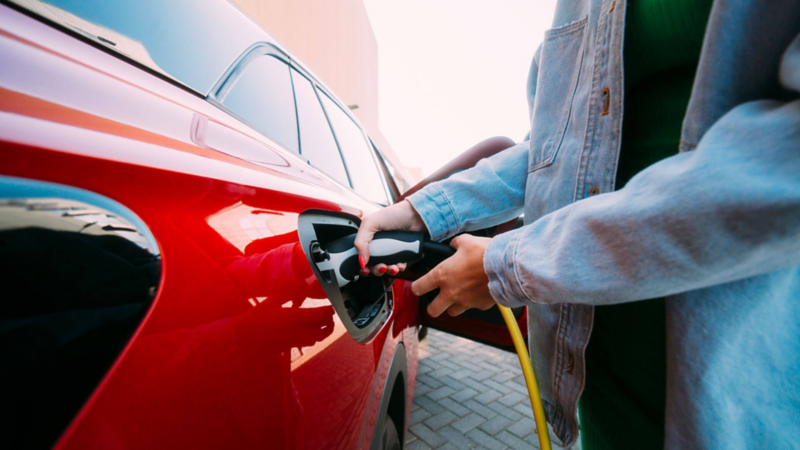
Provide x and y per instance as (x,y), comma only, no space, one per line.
(241,348)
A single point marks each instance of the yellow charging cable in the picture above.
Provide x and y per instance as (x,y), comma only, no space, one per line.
(530,378)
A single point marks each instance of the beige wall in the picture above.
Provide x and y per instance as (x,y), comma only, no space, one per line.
(335,40)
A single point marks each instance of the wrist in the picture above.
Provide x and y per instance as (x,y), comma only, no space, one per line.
(415,220)
(436,211)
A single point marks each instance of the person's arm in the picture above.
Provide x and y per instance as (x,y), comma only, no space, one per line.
(726,211)
(488,194)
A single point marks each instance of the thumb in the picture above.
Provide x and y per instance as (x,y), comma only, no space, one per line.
(457,241)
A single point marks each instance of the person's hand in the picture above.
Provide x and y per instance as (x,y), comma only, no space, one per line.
(400,216)
(462,282)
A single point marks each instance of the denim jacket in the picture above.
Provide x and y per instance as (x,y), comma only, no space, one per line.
(715,228)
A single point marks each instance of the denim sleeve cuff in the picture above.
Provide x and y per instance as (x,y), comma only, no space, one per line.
(500,267)
(436,211)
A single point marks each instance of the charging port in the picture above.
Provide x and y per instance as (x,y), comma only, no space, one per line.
(363,304)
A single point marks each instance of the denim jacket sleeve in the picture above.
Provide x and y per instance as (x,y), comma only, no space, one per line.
(490,193)
(728,210)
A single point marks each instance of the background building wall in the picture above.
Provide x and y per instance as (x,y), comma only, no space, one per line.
(336,41)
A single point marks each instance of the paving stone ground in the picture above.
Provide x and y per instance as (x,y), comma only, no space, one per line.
(470,395)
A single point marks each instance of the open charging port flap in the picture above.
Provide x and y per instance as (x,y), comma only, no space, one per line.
(362,305)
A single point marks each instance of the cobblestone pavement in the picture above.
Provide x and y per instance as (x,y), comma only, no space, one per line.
(470,395)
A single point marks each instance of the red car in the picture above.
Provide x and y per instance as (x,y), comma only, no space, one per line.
(157,160)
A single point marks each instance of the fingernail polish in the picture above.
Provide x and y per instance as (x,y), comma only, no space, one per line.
(393,272)
(382,270)
(361,261)
(364,272)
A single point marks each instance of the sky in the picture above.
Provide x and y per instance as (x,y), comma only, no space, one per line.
(453,72)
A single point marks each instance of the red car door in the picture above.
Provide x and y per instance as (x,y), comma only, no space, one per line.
(238,345)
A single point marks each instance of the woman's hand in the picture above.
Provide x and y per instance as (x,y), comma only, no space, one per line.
(400,216)
(461,280)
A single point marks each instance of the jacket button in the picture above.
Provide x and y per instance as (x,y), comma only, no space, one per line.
(594,191)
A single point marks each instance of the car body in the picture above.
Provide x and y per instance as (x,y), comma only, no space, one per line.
(158,294)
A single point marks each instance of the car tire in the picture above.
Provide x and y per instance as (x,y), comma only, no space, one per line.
(390,440)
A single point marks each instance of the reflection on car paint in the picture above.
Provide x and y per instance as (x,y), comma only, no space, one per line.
(78,279)
(75,217)
(241,225)
(247,254)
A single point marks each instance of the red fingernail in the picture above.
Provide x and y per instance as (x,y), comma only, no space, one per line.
(382,270)
(364,272)
(394,271)
(361,261)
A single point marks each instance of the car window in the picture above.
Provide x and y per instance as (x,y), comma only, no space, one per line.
(358,157)
(388,175)
(170,38)
(316,139)
(263,97)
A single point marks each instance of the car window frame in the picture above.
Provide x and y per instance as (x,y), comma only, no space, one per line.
(394,191)
(231,76)
(367,141)
(263,48)
(381,169)
(315,86)
(323,90)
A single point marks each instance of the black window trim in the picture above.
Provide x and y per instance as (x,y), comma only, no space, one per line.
(381,170)
(335,138)
(297,116)
(394,191)
(315,87)
(321,88)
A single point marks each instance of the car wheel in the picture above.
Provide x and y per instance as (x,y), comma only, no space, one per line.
(390,440)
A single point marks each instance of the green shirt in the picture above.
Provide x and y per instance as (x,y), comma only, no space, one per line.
(623,403)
